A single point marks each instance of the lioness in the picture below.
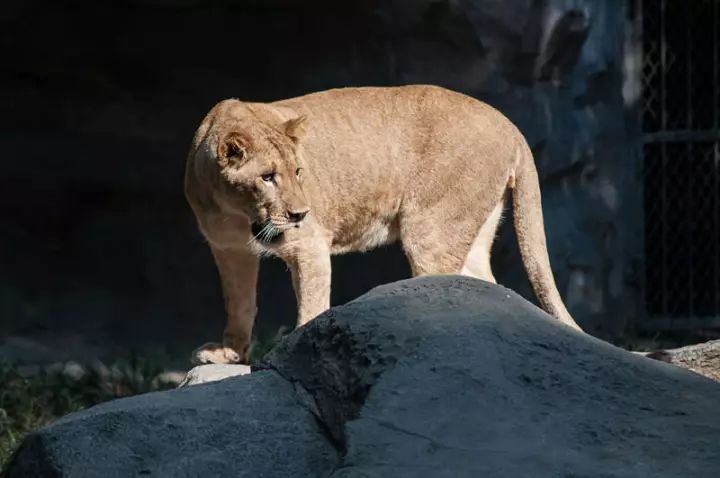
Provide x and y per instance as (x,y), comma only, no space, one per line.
(352,169)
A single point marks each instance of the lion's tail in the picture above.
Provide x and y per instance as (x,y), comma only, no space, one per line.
(530,230)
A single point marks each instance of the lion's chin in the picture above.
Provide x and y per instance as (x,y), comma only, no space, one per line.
(266,232)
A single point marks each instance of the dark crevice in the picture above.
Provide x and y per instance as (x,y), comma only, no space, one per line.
(333,366)
(323,426)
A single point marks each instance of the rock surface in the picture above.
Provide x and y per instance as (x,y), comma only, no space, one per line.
(437,376)
(700,358)
(250,427)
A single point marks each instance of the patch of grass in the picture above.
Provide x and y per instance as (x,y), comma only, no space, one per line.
(260,347)
(29,403)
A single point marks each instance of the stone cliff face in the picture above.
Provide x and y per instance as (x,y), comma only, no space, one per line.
(101,101)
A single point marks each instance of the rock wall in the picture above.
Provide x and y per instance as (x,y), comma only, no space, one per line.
(98,249)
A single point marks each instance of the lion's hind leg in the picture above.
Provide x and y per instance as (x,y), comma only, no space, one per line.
(477,261)
(438,244)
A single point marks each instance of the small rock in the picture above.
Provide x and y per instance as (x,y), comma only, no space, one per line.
(174,377)
(74,370)
(213,373)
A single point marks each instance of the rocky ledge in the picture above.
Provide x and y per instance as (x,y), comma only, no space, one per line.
(437,376)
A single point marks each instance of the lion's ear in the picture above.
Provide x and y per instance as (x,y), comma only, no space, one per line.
(296,128)
(232,149)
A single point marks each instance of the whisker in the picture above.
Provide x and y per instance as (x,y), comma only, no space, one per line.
(269,231)
(256,236)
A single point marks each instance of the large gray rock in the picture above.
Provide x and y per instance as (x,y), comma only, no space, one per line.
(254,427)
(440,376)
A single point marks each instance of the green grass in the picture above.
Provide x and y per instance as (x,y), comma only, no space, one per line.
(29,403)
(260,348)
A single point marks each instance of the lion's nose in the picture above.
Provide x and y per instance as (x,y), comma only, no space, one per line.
(298,215)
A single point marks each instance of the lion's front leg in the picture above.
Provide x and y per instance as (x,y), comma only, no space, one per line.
(238,270)
(311,275)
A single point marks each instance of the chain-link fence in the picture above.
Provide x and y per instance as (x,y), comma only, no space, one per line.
(680,110)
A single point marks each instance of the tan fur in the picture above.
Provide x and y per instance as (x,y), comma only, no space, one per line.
(421,164)
(477,262)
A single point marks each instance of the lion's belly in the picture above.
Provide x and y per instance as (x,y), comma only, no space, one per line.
(365,236)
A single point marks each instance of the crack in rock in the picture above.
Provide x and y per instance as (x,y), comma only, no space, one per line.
(335,366)
(404,431)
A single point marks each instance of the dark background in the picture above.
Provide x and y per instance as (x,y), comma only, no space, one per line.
(99,253)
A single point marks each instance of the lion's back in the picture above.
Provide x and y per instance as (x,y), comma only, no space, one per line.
(373,148)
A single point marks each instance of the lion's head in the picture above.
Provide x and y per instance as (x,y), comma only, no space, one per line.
(262,164)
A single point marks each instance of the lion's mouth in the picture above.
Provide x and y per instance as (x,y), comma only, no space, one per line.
(266,232)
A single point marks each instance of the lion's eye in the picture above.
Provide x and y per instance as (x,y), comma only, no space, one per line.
(268,178)
(298,173)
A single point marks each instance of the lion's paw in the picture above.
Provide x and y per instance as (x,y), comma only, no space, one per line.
(215,353)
